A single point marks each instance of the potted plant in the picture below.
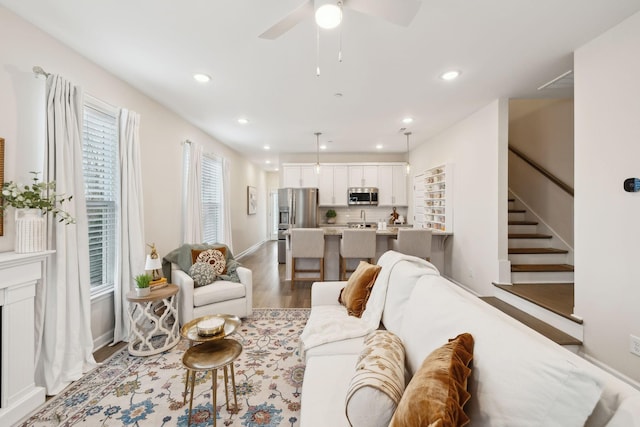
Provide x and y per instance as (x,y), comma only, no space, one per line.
(331,216)
(31,203)
(142,285)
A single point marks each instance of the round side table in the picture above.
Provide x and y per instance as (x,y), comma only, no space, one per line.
(154,321)
(211,356)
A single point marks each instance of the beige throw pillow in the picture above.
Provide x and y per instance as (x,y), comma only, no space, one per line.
(438,390)
(378,382)
(354,296)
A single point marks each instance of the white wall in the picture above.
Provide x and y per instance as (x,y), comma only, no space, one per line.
(607,230)
(161,133)
(543,130)
(475,148)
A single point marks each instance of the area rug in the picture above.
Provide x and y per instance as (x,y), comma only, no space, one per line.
(148,391)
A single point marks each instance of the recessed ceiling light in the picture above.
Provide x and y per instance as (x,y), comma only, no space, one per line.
(338,94)
(202,78)
(276,169)
(243,121)
(378,146)
(450,75)
(323,147)
(266,147)
(268,162)
(407,120)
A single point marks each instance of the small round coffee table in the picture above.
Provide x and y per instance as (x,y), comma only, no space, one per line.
(152,317)
(211,356)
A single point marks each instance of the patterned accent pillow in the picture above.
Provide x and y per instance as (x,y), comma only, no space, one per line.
(378,383)
(202,274)
(215,258)
(196,252)
(438,390)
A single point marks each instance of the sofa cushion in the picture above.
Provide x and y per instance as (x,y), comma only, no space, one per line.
(220,290)
(378,382)
(438,391)
(627,414)
(215,258)
(354,296)
(560,390)
(202,274)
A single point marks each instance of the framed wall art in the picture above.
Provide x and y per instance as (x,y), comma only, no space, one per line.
(252,200)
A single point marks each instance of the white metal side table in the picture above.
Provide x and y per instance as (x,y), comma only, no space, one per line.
(154,321)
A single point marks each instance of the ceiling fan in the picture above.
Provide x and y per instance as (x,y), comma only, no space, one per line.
(400,12)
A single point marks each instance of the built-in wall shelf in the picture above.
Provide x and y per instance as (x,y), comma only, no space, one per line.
(432,191)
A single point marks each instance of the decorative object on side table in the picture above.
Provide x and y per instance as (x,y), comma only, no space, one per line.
(31,203)
(154,264)
(142,285)
(252,200)
(331,216)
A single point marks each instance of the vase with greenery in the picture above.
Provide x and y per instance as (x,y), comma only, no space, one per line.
(39,195)
(142,284)
(331,216)
(31,203)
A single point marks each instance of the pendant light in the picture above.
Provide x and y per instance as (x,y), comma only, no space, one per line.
(408,164)
(317,134)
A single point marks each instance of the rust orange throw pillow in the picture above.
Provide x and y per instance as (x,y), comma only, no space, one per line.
(438,391)
(354,296)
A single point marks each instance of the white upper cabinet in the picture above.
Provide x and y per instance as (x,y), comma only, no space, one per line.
(299,176)
(363,176)
(392,185)
(333,184)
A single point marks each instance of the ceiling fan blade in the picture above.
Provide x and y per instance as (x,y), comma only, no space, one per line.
(400,12)
(303,11)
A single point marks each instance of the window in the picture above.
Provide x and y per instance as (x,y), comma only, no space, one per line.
(211,188)
(100,171)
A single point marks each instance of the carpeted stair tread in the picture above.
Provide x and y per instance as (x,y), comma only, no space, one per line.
(521,268)
(529,236)
(523,223)
(527,251)
(543,328)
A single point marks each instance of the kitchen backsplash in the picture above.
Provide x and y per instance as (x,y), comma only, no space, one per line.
(352,214)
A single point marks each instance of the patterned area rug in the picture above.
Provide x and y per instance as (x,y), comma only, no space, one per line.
(148,391)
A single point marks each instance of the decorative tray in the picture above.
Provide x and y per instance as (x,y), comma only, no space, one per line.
(190,330)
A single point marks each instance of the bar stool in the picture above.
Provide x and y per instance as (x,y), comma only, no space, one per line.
(413,241)
(307,243)
(211,356)
(360,244)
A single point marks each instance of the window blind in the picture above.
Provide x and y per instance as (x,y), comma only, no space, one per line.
(211,189)
(100,170)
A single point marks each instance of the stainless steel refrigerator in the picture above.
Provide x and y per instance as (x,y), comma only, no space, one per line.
(298,208)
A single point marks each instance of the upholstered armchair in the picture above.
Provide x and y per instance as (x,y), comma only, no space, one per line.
(230,292)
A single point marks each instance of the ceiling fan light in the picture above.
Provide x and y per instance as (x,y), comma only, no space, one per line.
(328,16)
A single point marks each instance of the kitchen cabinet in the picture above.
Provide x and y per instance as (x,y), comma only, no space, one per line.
(299,176)
(333,184)
(392,185)
(432,199)
(363,175)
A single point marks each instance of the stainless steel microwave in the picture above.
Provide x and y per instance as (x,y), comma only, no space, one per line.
(363,196)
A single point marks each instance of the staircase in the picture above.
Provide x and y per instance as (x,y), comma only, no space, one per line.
(541,274)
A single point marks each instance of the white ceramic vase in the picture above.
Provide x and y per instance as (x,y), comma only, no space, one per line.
(29,231)
(143,292)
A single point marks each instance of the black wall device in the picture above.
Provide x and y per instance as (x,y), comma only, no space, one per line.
(632,185)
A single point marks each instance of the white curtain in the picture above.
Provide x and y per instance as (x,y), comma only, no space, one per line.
(192,217)
(226,204)
(131,256)
(64,346)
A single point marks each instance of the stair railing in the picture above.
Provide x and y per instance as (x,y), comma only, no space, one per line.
(557,181)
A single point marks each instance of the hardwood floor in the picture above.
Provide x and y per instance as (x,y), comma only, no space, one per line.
(269,287)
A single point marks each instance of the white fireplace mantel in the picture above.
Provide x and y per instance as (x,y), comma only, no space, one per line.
(19,276)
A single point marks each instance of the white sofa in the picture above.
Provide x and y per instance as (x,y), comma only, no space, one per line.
(220,297)
(519,378)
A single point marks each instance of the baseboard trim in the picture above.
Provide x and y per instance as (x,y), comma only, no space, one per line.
(251,249)
(103,340)
(466,288)
(622,377)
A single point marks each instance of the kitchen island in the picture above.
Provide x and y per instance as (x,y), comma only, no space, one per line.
(332,236)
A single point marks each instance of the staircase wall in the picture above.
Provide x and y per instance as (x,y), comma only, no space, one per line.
(543,130)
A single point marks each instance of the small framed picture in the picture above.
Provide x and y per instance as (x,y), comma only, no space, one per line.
(252,200)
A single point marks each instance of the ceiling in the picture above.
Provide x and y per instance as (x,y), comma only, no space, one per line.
(504,48)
